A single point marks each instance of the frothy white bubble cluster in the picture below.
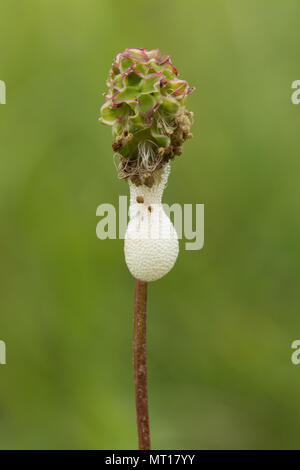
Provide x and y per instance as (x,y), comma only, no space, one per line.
(151,241)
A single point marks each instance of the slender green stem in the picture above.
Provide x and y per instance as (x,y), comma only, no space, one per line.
(139,362)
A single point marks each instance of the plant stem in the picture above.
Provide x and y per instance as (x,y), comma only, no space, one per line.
(139,362)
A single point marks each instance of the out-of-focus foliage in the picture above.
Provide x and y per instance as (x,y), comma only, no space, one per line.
(221,324)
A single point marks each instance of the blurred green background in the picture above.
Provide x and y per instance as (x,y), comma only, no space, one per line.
(221,324)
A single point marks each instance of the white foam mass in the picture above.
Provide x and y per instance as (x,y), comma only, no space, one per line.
(151,241)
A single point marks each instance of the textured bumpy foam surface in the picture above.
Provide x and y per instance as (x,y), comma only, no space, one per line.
(151,241)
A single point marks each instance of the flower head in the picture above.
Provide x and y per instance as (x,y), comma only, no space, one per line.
(145,105)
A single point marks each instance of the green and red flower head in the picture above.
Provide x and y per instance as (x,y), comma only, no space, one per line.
(145,105)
